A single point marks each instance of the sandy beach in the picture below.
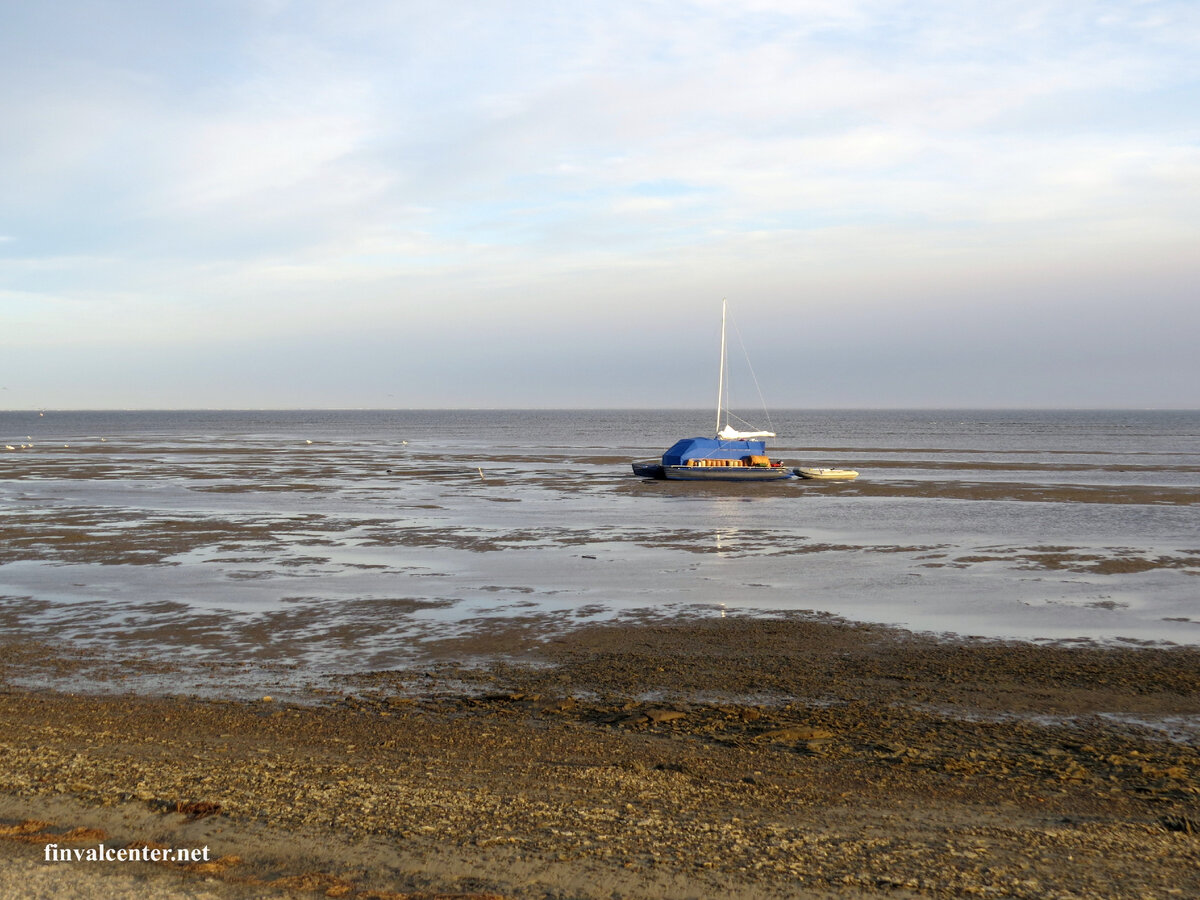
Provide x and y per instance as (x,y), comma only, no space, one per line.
(737,757)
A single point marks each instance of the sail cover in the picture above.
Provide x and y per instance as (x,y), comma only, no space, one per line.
(728,433)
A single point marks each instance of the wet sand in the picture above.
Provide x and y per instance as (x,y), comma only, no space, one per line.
(342,542)
(799,756)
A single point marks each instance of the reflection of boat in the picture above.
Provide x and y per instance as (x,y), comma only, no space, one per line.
(827,474)
(730,456)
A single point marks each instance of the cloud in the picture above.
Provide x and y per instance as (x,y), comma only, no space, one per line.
(292,171)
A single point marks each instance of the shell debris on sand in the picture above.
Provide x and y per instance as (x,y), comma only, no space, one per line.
(867,761)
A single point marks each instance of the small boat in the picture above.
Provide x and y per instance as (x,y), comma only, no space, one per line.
(730,456)
(714,459)
(826,474)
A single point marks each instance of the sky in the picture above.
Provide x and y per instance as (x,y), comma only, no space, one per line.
(265,203)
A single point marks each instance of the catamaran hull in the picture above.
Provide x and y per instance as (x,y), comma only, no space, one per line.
(698,473)
(749,473)
(648,470)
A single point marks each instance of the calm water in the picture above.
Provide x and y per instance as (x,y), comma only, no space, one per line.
(345,540)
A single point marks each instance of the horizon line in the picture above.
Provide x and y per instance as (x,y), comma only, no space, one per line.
(41,410)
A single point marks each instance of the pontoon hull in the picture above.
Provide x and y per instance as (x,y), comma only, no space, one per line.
(699,473)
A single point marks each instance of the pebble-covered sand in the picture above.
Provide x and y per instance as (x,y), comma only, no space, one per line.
(739,757)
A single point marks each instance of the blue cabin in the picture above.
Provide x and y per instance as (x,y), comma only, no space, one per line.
(711,448)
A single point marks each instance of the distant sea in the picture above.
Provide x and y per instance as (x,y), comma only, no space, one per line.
(346,540)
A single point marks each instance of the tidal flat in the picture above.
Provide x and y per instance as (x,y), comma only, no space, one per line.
(500,665)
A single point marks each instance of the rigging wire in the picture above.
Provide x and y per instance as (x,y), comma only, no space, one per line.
(753,377)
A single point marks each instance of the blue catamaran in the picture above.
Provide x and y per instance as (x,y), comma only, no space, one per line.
(730,456)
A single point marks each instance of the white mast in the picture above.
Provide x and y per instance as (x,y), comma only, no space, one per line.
(721,378)
(728,433)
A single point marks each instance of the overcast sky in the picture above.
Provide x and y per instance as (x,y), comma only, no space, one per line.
(424,204)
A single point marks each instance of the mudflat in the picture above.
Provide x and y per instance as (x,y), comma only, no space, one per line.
(738,757)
